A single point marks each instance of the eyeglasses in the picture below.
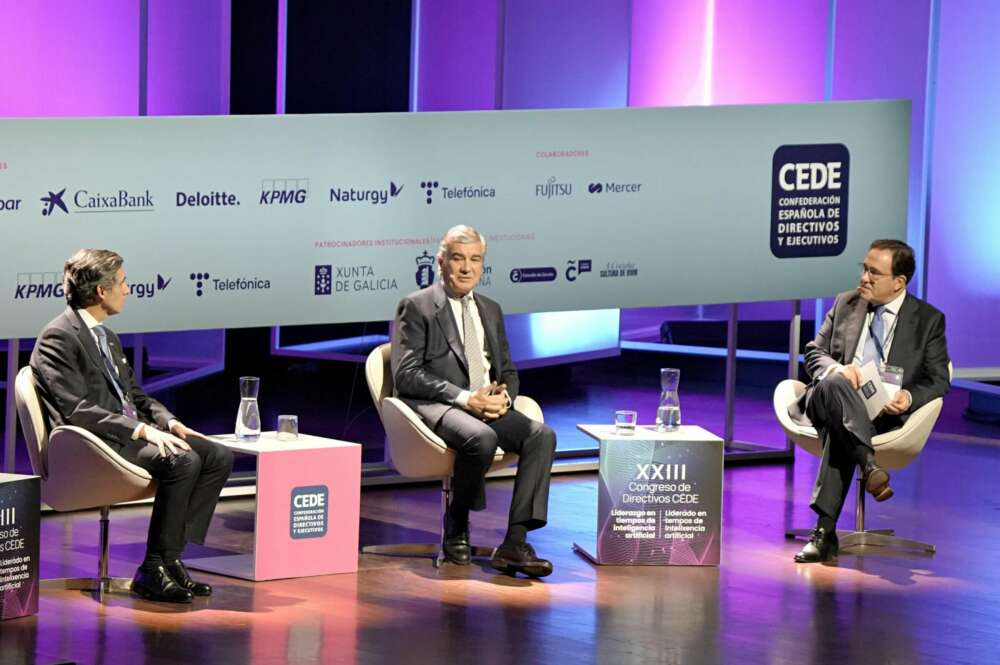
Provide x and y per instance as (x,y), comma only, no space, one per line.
(875,275)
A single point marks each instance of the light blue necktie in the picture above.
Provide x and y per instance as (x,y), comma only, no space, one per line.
(876,339)
(102,342)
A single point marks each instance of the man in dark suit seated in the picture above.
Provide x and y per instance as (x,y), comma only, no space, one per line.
(877,322)
(84,380)
(451,363)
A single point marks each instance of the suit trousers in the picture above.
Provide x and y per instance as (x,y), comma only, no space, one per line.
(841,419)
(188,487)
(475,443)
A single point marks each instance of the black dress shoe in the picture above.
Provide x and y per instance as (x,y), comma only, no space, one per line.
(822,546)
(457,549)
(877,482)
(158,584)
(181,576)
(512,558)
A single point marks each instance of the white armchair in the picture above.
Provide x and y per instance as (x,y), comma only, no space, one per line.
(416,452)
(78,471)
(893,450)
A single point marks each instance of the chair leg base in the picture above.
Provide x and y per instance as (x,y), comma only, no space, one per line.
(878,538)
(114,585)
(422,550)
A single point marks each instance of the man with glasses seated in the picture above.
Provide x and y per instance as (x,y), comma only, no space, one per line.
(877,322)
(84,380)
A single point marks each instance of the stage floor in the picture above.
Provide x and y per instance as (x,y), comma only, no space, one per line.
(757,607)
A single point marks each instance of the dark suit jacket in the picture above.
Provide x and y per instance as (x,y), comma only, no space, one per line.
(918,346)
(428,358)
(75,388)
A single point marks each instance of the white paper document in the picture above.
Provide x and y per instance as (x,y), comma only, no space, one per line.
(872,391)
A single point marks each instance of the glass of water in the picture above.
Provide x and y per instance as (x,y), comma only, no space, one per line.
(625,422)
(288,428)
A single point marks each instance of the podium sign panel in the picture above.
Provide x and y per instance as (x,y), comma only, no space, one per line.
(19,507)
(659,497)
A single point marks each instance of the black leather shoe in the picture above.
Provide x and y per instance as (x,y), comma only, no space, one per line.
(159,585)
(822,546)
(877,482)
(457,549)
(180,574)
(514,558)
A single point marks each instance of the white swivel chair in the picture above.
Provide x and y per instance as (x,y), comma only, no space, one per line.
(418,453)
(78,471)
(893,450)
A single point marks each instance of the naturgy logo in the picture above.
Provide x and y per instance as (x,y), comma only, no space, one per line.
(373,196)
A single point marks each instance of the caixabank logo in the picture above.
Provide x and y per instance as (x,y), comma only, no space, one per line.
(204,283)
(98,201)
(284,191)
(434,190)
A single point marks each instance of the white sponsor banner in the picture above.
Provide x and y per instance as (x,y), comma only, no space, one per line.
(261,220)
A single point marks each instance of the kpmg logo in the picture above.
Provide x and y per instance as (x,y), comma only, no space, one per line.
(323,280)
(526,275)
(213,199)
(284,191)
(459,192)
(150,288)
(9,204)
(425,270)
(204,282)
(54,201)
(576,268)
(552,188)
(39,286)
(614,187)
(374,196)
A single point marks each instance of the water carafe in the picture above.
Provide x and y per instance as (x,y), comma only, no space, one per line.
(248,417)
(668,413)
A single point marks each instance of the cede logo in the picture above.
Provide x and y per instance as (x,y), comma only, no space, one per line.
(211,199)
(809,187)
(459,192)
(323,280)
(284,191)
(425,270)
(309,511)
(373,196)
(38,286)
(204,282)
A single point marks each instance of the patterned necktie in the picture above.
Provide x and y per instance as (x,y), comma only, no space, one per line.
(876,338)
(473,349)
(102,342)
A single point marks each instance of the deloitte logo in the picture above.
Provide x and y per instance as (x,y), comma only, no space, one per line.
(284,191)
(206,200)
(614,187)
(204,282)
(373,196)
(459,192)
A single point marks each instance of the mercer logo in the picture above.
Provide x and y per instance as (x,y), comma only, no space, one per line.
(38,285)
(284,191)
(373,196)
(661,472)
